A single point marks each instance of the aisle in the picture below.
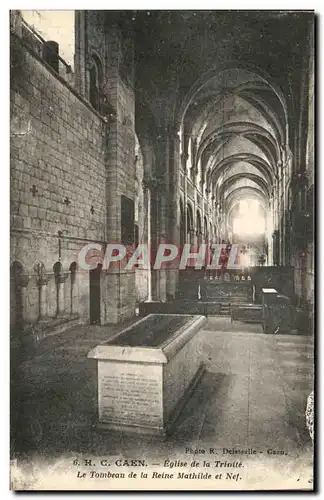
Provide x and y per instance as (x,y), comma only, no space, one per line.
(251,397)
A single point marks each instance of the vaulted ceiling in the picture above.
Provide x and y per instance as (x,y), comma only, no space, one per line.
(228,81)
(238,122)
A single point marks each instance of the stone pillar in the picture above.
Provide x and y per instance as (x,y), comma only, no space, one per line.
(280,213)
(269,232)
(155,208)
(174,207)
(118,286)
(60,280)
(21,284)
(42,283)
(147,204)
(163,236)
(185,229)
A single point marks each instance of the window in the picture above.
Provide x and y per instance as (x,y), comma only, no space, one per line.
(95,79)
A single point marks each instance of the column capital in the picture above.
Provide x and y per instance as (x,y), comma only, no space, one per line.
(61,278)
(173,131)
(22,280)
(157,184)
(299,178)
(43,279)
(146,183)
(184,156)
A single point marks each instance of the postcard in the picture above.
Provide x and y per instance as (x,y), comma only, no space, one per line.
(162,250)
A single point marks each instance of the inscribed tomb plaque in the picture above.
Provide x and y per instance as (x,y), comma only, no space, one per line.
(129,394)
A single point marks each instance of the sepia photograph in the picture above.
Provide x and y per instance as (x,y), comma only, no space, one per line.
(162,250)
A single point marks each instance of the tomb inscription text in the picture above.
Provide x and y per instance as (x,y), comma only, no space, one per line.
(129,396)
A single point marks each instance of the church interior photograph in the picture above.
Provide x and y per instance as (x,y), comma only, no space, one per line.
(162,250)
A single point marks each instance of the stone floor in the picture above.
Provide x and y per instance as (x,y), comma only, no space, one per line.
(251,397)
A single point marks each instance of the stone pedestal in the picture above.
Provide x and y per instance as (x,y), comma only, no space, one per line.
(147,372)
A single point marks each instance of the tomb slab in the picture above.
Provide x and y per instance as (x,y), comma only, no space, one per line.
(147,372)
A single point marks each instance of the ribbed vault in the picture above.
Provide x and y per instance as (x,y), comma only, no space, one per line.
(234,129)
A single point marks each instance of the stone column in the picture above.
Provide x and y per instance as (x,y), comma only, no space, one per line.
(60,280)
(174,207)
(42,283)
(270,228)
(185,221)
(21,284)
(280,213)
(154,239)
(147,204)
(163,236)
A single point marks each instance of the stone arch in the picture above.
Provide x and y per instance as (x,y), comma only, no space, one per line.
(57,269)
(255,136)
(39,269)
(16,268)
(95,80)
(190,218)
(73,268)
(222,68)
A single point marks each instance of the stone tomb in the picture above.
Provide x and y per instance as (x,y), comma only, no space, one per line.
(147,372)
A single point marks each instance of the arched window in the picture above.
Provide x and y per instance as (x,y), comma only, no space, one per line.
(95,81)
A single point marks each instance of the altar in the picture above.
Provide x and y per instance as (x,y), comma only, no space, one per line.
(147,372)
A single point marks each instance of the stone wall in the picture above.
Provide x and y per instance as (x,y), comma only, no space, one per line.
(70,166)
(57,177)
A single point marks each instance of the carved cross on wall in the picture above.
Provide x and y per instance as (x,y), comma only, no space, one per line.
(67,202)
(34,190)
